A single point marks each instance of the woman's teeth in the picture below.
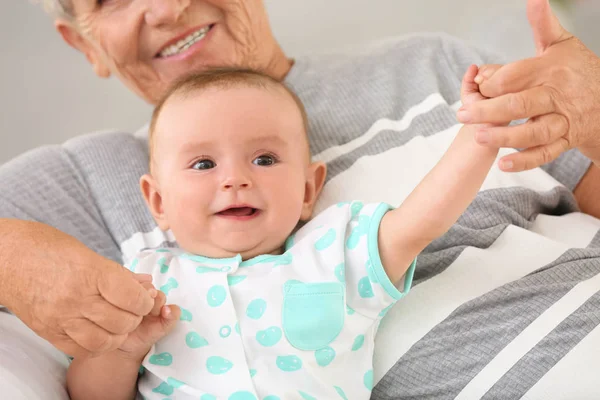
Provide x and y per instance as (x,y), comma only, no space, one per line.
(184,43)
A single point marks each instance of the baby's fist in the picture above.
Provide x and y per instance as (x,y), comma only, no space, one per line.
(469,92)
(158,323)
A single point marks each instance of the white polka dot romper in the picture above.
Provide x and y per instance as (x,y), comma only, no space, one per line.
(300,325)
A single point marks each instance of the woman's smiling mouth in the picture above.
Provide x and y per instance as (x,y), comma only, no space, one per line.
(181,45)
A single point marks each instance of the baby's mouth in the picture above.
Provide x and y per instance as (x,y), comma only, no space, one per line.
(238,212)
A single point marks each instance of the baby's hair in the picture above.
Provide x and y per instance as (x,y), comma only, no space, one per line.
(220,78)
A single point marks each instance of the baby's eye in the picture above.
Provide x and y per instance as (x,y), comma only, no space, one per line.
(264,160)
(204,164)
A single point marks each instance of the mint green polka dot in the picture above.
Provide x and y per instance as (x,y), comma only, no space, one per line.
(358,342)
(289,363)
(216,296)
(194,340)
(385,310)
(242,396)
(256,308)
(326,240)
(163,359)
(355,208)
(164,388)
(325,356)
(170,285)
(225,331)
(207,397)
(306,396)
(175,383)
(226,268)
(269,337)
(186,315)
(340,392)
(252,373)
(218,365)
(205,270)
(163,251)
(368,379)
(353,239)
(371,272)
(285,259)
(342,204)
(349,310)
(237,328)
(134,264)
(234,280)
(365,290)
(271,397)
(340,272)
(164,267)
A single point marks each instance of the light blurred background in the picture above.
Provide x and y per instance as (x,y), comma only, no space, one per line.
(49,94)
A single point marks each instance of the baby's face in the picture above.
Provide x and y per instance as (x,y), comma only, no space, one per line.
(231,170)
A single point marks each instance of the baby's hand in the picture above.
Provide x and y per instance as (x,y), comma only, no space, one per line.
(154,326)
(469,92)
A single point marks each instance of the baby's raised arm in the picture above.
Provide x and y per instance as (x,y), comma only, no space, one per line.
(441,197)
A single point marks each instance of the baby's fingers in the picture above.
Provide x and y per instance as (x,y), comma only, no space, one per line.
(469,91)
(159,302)
(154,328)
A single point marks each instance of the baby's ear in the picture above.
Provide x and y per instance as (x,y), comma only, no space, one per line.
(151,192)
(315,180)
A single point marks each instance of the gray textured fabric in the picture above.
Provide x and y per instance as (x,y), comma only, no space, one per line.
(485,220)
(548,352)
(89,188)
(456,350)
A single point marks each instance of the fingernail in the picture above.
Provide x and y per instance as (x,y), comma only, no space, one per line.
(483,136)
(153,293)
(478,79)
(464,116)
(167,311)
(506,165)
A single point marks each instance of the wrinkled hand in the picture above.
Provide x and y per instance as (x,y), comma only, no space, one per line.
(158,323)
(558,90)
(79,301)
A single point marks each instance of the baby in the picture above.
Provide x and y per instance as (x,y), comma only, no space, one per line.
(267,312)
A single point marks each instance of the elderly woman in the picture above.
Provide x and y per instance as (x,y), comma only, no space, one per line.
(502,306)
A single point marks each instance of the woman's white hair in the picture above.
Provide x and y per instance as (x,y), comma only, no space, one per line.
(58,8)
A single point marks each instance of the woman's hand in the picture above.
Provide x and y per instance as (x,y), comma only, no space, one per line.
(559,91)
(79,301)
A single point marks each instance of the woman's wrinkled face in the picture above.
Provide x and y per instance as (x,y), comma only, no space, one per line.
(149,44)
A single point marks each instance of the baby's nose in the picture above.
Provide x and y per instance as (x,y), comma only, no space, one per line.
(236,183)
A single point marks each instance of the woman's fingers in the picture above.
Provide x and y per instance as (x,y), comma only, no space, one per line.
(112,319)
(495,80)
(533,157)
(535,132)
(120,288)
(91,337)
(509,107)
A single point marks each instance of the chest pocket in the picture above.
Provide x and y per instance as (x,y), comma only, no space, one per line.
(313,314)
